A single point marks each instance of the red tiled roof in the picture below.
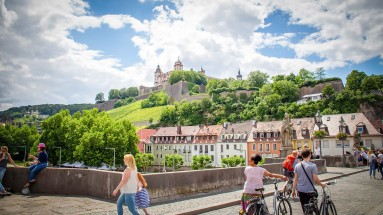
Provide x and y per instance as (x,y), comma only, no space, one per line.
(144,134)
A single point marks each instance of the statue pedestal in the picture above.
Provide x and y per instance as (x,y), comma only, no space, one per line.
(286,150)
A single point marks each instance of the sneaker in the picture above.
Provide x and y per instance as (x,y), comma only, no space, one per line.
(7,193)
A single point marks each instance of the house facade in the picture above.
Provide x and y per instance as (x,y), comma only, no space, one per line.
(144,139)
(265,139)
(359,129)
(232,141)
(302,133)
(205,142)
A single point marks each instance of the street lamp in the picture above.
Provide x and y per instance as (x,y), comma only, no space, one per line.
(60,154)
(242,150)
(114,158)
(318,122)
(342,130)
(25,153)
(164,160)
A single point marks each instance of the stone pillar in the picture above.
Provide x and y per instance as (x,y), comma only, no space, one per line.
(286,150)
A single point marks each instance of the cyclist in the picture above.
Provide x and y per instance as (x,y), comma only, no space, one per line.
(288,167)
(254,179)
(306,173)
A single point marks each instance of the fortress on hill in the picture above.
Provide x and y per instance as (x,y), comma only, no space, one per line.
(161,79)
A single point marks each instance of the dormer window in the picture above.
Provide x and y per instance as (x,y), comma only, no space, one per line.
(304,133)
(268,134)
(360,130)
(352,117)
(261,135)
(343,129)
(328,118)
(276,134)
(222,136)
(254,135)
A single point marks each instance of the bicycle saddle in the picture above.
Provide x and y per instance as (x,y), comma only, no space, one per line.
(260,189)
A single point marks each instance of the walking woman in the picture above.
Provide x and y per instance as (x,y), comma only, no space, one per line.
(372,162)
(39,163)
(254,179)
(4,158)
(127,186)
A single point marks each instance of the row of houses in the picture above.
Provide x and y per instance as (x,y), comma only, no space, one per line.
(249,138)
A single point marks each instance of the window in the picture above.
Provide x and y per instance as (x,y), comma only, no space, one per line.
(236,136)
(206,148)
(156,147)
(268,134)
(200,149)
(260,147)
(213,137)
(222,136)
(221,148)
(195,147)
(212,157)
(212,148)
(167,138)
(346,143)
(368,142)
(254,147)
(188,138)
(274,146)
(303,132)
(338,144)
(261,135)
(254,135)
(328,118)
(227,146)
(299,144)
(235,146)
(275,134)
(227,156)
(222,156)
(360,130)
(343,129)
(325,144)
(352,117)
(267,147)
(197,138)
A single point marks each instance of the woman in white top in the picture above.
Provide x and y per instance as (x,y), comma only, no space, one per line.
(254,179)
(127,186)
(372,160)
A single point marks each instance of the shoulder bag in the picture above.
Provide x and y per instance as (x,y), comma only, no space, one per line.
(315,190)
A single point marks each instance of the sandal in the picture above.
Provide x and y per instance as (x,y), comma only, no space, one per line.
(27,185)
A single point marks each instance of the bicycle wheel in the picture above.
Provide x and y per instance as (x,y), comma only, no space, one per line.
(251,209)
(331,210)
(287,191)
(261,210)
(311,210)
(283,207)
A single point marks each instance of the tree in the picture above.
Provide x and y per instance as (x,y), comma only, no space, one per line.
(303,76)
(328,91)
(257,78)
(320,73)
(233,161)
(114,94)
(175,161)
(132,92)
(100,98)
(371,83)
(144,160)
(201,162)
(278,78)
(354,80)
(287,90)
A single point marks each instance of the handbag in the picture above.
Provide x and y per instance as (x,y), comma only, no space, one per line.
(315,190)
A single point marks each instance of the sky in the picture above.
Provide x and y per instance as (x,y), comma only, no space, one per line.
(67,51)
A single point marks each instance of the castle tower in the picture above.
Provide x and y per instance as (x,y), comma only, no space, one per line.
(202,71)
(239,76)
(158,76)
(178,65)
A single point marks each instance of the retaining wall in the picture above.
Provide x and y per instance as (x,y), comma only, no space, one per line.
(162,186)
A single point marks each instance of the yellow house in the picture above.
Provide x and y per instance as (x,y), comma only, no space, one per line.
(303,129)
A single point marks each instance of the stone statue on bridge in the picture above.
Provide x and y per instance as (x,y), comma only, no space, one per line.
(287,131)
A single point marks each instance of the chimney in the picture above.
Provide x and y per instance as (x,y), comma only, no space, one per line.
(225,125)
(254,124)
(179,132)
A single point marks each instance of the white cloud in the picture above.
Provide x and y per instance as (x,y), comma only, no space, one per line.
(41,63)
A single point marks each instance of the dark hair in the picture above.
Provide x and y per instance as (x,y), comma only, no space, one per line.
(306,153)
(256,158)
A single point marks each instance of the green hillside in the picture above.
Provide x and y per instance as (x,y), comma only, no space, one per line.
(134,113)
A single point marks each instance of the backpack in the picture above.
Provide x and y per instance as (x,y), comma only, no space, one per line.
(374,160)
(288,163)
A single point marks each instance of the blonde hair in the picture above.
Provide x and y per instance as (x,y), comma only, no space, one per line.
(370,152)
(130,162)
(142,180)
(6,148)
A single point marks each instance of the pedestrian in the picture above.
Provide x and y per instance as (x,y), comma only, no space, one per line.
(39,163)
(127,186)
(142,195)
(364,157)
(372,161)
(317,152)
(4,158)
(306,173)
(380,162)
(254,179)
(288,167)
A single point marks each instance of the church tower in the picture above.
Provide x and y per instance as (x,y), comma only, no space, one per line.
(239,76)
(158,76)
(178,65)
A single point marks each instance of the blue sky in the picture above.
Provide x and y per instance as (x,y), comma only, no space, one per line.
(69,50)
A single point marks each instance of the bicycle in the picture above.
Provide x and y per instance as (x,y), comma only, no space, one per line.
(327,206)
(288,188)
(258,205)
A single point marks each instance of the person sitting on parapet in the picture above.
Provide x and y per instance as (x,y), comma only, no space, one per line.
(39,163)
